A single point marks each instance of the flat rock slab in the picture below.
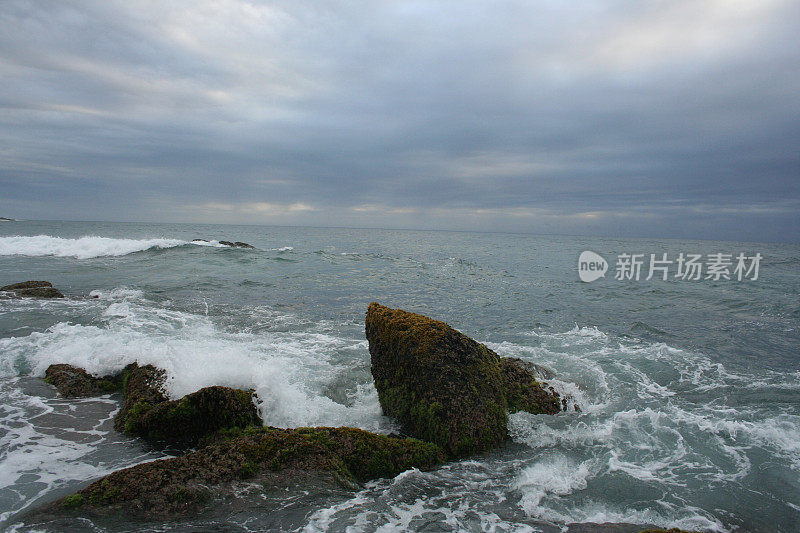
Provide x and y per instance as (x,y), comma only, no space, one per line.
(182,486)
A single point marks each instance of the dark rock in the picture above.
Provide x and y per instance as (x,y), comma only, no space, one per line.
(184,422)
(73,382)
(443,386)
(26,285)
(148,412)
(199,240)
(659,530)
(523,392)
(34,289)
(143,387)
(180,486)
(237,244)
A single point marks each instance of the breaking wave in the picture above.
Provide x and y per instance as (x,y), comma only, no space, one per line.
(86,247)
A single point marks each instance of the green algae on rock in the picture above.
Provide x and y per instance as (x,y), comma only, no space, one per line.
(443,386)
(523,392)
(178,486)
(143,387)
(184,422)
(74,382)
(148,413)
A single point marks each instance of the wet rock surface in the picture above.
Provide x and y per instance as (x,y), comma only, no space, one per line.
(73,382)
(443,386)
(523,392)
(184,422)
(181,486)
(33,289)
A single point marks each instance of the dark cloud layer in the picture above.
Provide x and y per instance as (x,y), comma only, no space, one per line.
(671,119)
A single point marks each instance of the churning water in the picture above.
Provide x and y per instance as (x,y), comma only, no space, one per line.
(685,395)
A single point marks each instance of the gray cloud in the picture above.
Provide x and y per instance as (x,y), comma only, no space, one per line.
(619,118)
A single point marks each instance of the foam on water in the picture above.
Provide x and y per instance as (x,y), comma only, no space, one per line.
(291,370)
(650,428)
(49,443)
(86,247)
(639,448)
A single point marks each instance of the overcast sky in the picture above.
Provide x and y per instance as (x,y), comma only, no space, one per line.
(622,118)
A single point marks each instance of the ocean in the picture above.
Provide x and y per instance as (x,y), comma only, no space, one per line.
(684,395)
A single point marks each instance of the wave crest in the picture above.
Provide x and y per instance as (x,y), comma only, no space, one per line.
(81,248)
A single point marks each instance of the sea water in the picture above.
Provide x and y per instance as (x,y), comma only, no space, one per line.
(684,396)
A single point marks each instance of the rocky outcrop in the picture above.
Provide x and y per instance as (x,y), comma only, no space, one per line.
(184,422)
(180,486)
(523,392)
(445,387)
(73,382)
(148,413)
(33,289)
(237,244)
(143,387)
(659,530)
(230,244)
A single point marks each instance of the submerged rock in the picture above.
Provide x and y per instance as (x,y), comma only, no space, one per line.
(33,289)
(523,392)
(179,486)
(443,386)
(73,382)
(237,244)
(231,244)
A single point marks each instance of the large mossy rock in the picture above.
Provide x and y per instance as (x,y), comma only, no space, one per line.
(74,382)
(33,289)
(179,486)
(443,386)
(148,413)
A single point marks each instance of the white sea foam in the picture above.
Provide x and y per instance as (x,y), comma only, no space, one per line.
(634,423)
(81,248)
(47,444)
(87,247)
(553,475)
(290,370)
(120,293)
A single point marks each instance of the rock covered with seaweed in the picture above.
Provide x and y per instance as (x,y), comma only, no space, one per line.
(445,387)
(179,486)
(74,382)
(450,392)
